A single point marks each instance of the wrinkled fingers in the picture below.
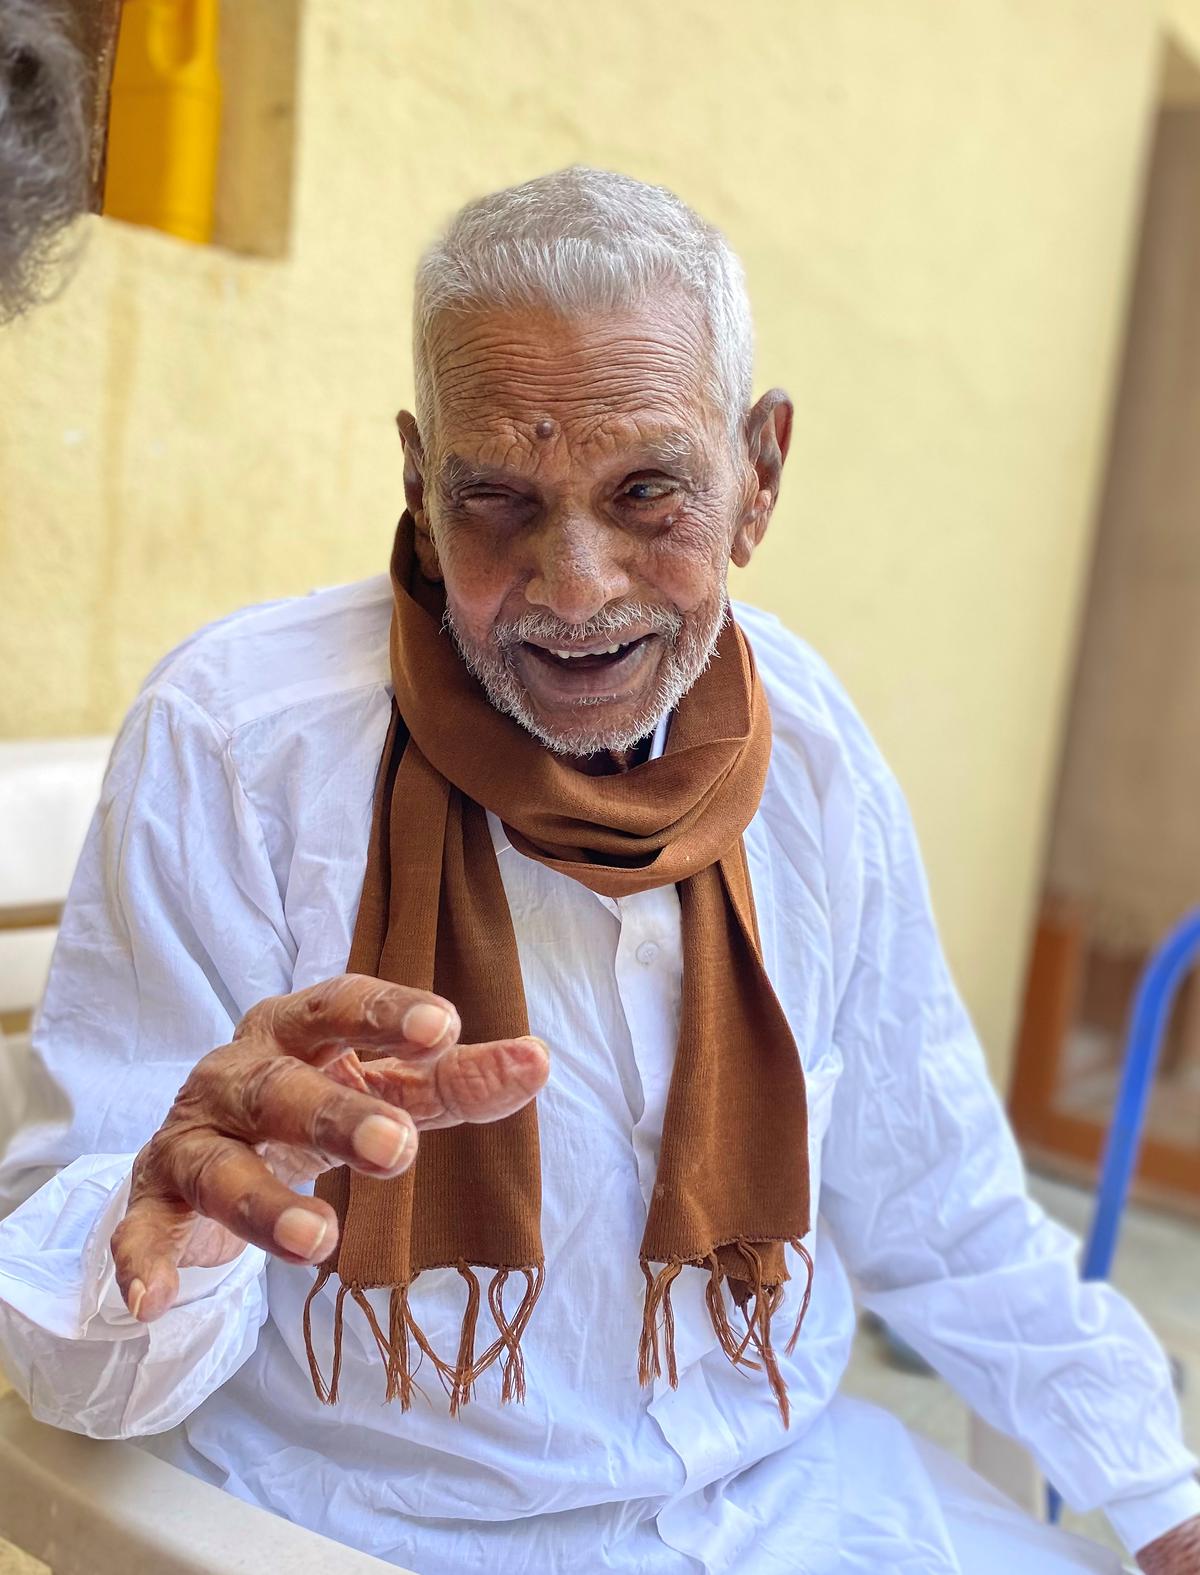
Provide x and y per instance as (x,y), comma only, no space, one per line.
(280,1100)
(473,1083)
(205,1173)
(353,1009)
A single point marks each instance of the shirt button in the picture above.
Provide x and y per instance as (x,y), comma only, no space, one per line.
(646,953)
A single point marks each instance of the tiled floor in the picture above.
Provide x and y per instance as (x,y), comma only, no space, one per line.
(1158,1268)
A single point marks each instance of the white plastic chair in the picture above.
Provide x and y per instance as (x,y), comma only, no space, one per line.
(48,790)
(90,1508)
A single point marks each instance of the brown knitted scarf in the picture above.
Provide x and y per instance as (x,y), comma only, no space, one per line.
(732,1184)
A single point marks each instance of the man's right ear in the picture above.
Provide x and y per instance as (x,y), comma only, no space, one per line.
(414,493)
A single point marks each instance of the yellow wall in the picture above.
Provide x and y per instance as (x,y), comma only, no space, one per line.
(935,202)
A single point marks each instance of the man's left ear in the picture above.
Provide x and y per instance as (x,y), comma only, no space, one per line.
(414,493)
(768,436)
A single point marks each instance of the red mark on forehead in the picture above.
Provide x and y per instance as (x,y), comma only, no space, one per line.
(544,428)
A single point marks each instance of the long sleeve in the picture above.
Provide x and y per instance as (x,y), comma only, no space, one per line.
(925,1193)
(173,928)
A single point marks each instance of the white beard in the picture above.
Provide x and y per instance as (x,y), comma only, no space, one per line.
(689,650)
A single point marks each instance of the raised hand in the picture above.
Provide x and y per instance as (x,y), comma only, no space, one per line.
(287,1099)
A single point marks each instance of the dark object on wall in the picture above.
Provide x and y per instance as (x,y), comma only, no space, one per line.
(95,24)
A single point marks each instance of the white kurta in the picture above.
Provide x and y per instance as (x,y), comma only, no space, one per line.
(224,865)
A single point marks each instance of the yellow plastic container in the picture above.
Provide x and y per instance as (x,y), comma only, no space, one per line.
(165,123)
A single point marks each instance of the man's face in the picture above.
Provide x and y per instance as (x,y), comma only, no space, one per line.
(580,496)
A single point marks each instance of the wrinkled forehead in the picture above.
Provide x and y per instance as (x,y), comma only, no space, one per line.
(531,382)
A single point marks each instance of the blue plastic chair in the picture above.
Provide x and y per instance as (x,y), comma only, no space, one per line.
(1156,993)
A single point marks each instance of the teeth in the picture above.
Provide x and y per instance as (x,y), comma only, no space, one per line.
(571,656)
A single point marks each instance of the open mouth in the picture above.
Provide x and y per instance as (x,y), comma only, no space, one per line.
(595,659)
(560,675)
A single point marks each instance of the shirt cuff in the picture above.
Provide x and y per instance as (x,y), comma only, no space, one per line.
(104,1302)
(1141,1518)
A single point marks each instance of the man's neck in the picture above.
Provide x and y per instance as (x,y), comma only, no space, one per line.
(608,762)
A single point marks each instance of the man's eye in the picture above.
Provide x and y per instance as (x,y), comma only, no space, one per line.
(648,491)
(488,495)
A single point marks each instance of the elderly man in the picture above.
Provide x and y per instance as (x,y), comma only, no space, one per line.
(538,815)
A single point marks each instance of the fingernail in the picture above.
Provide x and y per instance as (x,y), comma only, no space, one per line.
(380,1141)
(532,1039)
(137,1293)
(300,1231)
(426,1024)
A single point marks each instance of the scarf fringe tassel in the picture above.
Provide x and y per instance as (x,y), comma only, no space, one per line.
(758,1304)
(751,1349)
(459,1377)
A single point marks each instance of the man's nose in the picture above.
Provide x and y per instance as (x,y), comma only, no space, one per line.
(577,570)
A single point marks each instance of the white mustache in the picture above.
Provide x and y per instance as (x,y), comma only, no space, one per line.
(607,625)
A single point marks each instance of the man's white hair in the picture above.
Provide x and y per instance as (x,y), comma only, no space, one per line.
(584,240)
